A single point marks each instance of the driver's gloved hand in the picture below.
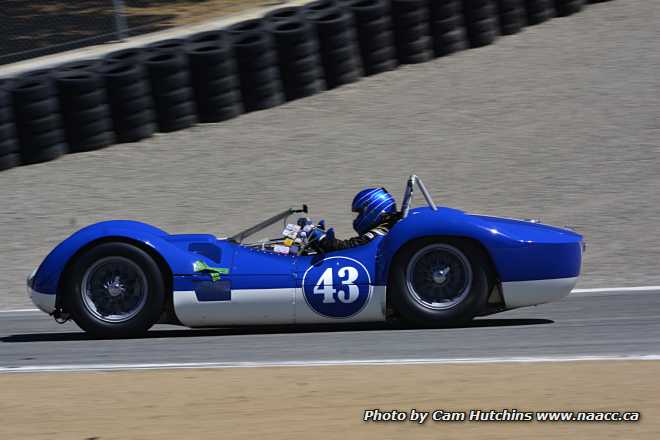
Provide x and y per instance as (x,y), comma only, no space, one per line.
(315,235)
(330,234)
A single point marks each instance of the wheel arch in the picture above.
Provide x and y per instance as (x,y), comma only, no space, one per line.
(161,262)
(491,270)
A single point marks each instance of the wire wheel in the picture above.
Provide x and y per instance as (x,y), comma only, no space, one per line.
(439,276)
(114,289)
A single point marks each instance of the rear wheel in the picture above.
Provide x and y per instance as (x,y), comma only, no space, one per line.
(114,290)
(439,282)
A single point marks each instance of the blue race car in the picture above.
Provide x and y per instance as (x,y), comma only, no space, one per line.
(436,267)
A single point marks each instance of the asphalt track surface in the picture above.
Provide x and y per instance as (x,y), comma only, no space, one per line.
(614,323)
(559,122)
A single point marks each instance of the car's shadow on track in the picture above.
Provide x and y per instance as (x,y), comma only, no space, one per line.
(269,330)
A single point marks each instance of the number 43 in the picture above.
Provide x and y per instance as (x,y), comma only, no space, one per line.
(325,286)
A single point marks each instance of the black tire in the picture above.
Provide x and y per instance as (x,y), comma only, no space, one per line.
(80,312)
(369,10)
(8,161)
(441,9)
(51,152)
(415,309)
(254,25)
(317,8)
(285,14)
(170,86)
(375,69)
(568,7)
(131,56)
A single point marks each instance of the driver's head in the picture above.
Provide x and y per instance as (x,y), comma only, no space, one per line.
(371,205)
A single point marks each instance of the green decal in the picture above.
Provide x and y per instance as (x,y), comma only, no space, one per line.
(215,272)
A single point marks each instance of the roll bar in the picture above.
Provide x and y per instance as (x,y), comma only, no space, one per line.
(408,195)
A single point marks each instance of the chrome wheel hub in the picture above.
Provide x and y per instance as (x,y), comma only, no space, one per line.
(440,275)
(115,287)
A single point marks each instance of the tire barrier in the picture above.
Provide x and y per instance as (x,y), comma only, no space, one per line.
(175,45)
(285,14)
(298,55)
(133,56)
(130,101)
(480,21)
(289,53)
(261,86)
(254,25)
(171,91)
(338,45)
(92,65)
(568,7)
(9,157)
(511,15)
(412,34)
(375,35)
(37,118)
(213,76)
(85,111)
(447,28)
(538,11)
(318,8)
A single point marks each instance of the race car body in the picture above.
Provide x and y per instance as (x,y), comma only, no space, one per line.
(437,266)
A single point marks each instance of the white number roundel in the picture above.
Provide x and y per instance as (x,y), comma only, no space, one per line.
(338,287)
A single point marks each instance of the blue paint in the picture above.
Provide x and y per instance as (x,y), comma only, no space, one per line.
(520,251)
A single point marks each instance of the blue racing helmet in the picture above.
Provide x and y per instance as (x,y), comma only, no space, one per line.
(371,204)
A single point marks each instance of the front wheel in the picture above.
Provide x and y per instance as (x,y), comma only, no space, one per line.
(114,290)
(439,282)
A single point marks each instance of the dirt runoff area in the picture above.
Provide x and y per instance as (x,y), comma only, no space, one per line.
(328,402)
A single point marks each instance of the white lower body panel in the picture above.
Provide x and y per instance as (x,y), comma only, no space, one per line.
(266,306)
(246,307)
(45,303)
(530,293)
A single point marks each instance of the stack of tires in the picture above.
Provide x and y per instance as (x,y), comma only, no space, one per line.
(256,58)
(412,33)
(511,16)
(340,55)
(375,35)
(84,105)
(298,55)
(171,90)
(538,11)
(131,56)
(568,7)
(129,97)
(8,147)
(214,77)
(480,21)
(37,117)
(284,14)
(447,27)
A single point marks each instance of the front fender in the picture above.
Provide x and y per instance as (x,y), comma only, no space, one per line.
(47,276)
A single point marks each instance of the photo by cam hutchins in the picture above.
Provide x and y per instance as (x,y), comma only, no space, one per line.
(428,266)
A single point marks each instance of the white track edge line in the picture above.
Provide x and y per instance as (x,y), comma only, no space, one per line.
(320,363)
(574,291)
